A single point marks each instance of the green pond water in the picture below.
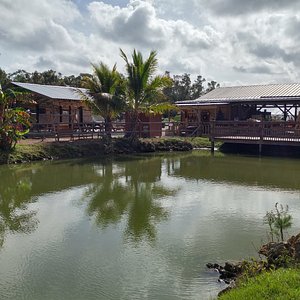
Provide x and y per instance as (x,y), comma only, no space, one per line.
(137,227)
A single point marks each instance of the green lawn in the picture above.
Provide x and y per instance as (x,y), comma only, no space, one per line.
(283,284)
(197,142)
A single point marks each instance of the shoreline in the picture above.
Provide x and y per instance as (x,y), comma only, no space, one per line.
(32,150)
(279,259)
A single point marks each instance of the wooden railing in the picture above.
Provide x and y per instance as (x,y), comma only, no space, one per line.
(254,129)
(244,130)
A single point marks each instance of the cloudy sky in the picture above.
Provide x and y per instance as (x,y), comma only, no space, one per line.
(231,41)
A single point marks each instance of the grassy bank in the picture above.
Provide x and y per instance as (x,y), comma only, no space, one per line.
(89,148)
(49,151)
(279,284)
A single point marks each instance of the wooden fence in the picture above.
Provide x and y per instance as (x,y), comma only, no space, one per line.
(222,130)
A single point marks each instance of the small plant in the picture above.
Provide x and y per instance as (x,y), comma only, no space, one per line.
(278,221)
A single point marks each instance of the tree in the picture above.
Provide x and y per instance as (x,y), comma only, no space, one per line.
(105,94)
(197,89)
(180,88)
(49,77)
(212,85)
(278,221)
(144,91)
(14,121)
(20,76)
(4,79)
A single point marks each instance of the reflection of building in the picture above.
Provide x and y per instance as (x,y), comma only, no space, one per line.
(56,104)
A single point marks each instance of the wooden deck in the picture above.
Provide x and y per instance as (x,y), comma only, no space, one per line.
(245,132)
(249,132)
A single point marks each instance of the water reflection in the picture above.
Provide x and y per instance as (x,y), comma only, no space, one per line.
(250,171)
(134,228)
(131,191)
(15,195)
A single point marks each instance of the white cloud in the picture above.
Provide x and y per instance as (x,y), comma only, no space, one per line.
(249,42)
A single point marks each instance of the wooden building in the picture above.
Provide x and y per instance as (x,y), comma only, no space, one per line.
(245,114)
(148,125)
(55,104)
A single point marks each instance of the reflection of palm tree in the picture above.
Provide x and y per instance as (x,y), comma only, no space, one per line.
(144,170)
(109,198)
(13,206)
(144,214)
(126,192)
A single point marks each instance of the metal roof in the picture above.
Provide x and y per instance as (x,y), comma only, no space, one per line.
(53,91)
(257,93)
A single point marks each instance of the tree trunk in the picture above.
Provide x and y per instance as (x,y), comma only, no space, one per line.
(108,126)
(132,132)
(281,233)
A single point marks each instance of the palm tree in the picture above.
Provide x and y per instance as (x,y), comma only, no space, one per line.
(105,95)
(144,90)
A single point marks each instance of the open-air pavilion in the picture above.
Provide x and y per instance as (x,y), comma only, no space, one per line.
(245,114)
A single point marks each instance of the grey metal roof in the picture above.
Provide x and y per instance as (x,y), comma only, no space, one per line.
(53,91)
(257,93)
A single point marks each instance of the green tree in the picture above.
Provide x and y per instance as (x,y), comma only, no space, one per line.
(105,95)
(4,79)
(212,85)
(180,88)
(14,122)
(197,89)
(20,76)
(144,90)
(278,221)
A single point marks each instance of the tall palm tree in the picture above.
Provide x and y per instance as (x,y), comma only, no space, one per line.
(105,95)
(144,90)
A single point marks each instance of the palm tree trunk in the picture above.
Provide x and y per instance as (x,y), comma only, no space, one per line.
(133,127)
(108,126)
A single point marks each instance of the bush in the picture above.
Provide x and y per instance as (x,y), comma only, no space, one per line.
(14,122)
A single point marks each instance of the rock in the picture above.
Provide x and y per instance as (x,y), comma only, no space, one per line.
(212,266)
(209,265)
(228,273)
(277,252)
(294,243)
(232,268)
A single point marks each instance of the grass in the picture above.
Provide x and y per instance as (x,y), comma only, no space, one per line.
(87,148)
(276,285)
(54,150)
(197,142)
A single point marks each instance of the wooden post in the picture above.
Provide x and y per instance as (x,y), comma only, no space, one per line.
(212,138)
(261,138)
(212,146)
(260,148)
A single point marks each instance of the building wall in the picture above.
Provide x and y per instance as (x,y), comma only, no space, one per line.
(61,111)
(227,112)
(150,125)
(196,114)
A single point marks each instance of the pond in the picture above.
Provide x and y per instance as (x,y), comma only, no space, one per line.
(137,227)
